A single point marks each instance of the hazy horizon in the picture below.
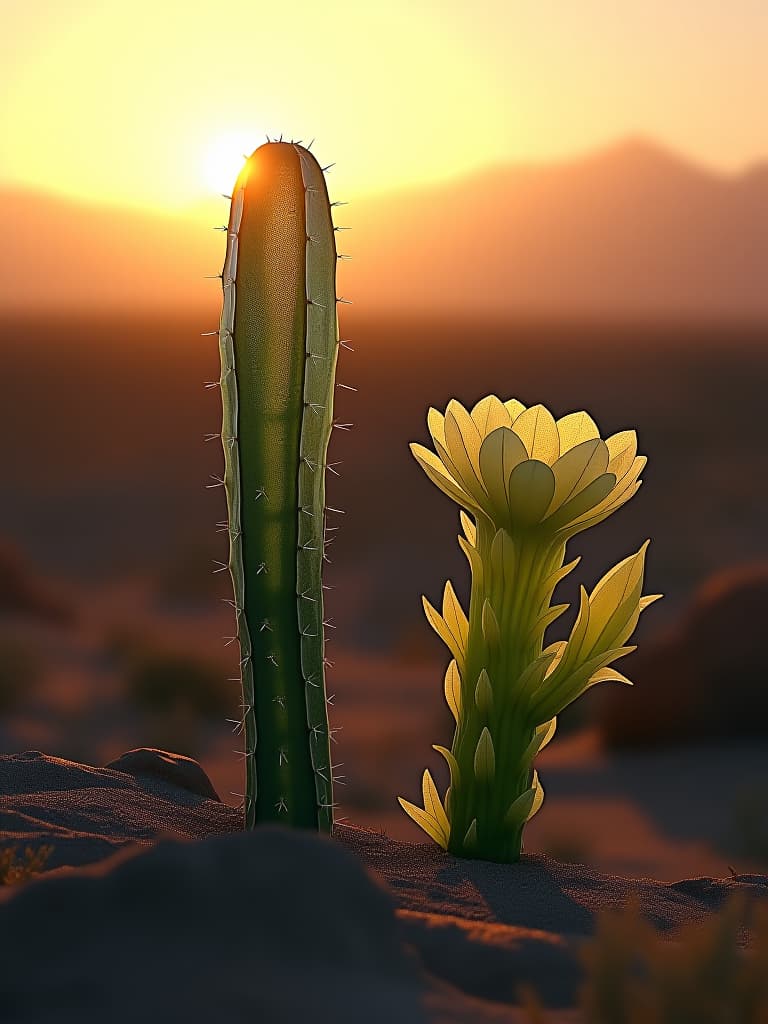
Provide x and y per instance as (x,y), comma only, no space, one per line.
(629,231)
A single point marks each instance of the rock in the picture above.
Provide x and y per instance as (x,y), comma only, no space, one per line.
(271,925)
(705,678)
(182,772)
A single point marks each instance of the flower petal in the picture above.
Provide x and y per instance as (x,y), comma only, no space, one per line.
(436,425)
(462,440)
(622,449)
(501,451)
(582,502)
(537,429)
(575,428)
(530,490)
(489,413)
(514,407)
(439,476)
(576,469)
(621,493)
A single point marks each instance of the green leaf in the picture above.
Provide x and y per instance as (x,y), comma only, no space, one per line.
(533,676)
(470,837)
(485,757)
(490,626)
(542,735)
(541,624)
(520,808)
(483,693)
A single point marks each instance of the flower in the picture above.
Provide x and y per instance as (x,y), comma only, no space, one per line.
(529,483)
(525,470)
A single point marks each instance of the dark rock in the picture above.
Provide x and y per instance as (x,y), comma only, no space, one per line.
(182,772)
(270,925)
(703,680)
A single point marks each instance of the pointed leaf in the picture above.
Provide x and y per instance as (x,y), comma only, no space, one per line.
(433,805)
(541,736)
(453,764)
(520,808)
(453,690)
(543,622)
(469,528)
(454,617)
(613,601)
(475,561)
(470,838)
(546,589)
(609,675)
(483,693)
(424,821)
(438,623)
(490,626)
(538,799)
(485,757)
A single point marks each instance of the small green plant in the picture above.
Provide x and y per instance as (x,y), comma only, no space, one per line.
(278,342)
(635,977)
(529,484)
(15,870)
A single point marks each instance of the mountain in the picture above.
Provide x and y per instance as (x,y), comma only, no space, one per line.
(630,231)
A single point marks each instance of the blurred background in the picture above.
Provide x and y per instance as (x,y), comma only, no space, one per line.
(566,204)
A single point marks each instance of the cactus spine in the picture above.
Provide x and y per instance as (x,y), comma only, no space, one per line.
(278,341)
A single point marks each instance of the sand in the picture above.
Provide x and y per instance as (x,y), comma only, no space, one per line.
(155,905)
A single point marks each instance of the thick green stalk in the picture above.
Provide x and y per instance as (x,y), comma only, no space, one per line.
(278,341)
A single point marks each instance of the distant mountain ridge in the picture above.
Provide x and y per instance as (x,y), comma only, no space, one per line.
(632,230)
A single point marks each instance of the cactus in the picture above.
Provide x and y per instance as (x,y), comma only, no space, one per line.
(278,341)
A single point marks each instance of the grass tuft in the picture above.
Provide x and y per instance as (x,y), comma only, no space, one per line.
(16,870)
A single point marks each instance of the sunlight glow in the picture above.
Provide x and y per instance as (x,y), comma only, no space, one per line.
(222,159)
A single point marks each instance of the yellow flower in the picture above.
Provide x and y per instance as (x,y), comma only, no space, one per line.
(525,470)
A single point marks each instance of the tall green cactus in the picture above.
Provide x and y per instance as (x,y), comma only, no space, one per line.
(278,340)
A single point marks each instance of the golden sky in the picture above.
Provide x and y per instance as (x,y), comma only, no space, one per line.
(151,102)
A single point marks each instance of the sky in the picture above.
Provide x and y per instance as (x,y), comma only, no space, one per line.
(152,103)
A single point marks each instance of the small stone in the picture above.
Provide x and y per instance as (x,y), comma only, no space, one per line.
(177,769)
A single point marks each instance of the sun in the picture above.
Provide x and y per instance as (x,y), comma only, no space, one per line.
(223,158)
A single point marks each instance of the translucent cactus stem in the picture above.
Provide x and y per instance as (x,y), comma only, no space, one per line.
(278,342)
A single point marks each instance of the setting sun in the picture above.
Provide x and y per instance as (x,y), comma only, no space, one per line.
(222,159)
